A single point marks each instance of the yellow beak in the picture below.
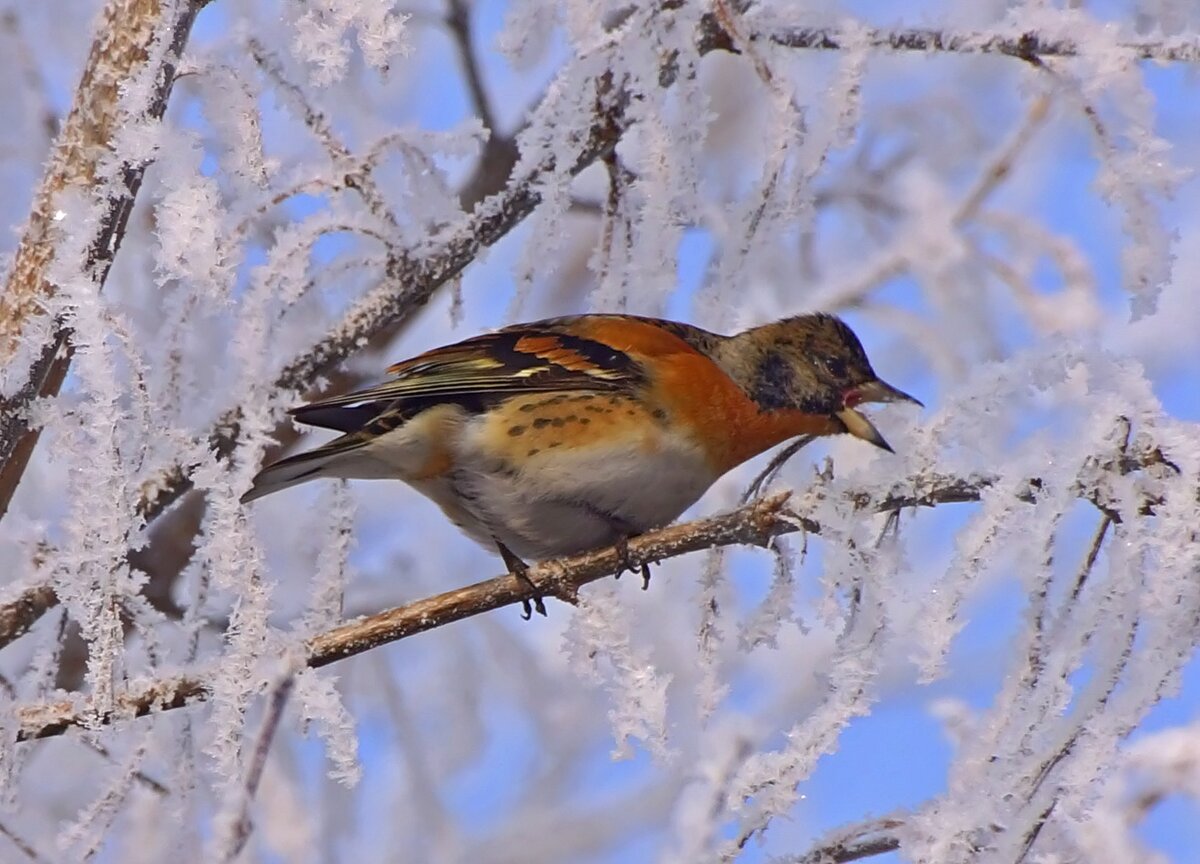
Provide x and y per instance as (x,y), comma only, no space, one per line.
(858,425)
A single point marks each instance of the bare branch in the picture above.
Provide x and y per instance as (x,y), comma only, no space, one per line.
(458,21)
(17,616)
(854,842)
(262,747)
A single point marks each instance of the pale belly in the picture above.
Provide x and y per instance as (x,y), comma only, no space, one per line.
(565,501)
(547,476)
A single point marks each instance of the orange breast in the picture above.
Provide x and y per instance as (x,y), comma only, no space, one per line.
(698,396)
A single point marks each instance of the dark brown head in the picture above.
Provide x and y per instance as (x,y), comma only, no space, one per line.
(813,363)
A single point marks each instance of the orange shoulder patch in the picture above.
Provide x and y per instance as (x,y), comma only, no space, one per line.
(633,335)
(552,350)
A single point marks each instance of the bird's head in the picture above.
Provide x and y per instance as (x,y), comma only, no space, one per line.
(815,363)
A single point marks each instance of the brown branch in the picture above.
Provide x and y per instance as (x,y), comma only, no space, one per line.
(258,764)
(17,616)
(126,41)
(756,523)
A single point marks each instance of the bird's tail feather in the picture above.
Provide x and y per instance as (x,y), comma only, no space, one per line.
(322,462)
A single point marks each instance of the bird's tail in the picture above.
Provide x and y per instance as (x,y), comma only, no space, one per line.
(327,461)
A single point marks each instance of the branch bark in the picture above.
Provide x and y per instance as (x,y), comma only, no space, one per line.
(130,35)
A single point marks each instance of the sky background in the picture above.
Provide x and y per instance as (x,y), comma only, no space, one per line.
(898,755)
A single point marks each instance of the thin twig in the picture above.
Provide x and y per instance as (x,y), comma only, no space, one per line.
(258,763)
(767,475)
(1023,46)
(355,174)
(458,21)
(854,842)
(27,850)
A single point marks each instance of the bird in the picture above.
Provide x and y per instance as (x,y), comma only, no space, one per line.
(559,436)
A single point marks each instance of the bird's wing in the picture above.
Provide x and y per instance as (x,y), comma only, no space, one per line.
(528,358)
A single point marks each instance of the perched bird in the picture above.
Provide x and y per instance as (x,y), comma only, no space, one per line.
(559,436)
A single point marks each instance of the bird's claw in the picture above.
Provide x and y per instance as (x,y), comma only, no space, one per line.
(626,561)
(520,571)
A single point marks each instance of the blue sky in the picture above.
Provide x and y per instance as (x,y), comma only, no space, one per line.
(897,756)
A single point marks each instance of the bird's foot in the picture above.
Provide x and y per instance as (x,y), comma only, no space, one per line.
(520,571)
(626,561)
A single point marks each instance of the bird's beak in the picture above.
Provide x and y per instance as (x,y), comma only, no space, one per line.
(873,391)
(881,391)
(860,427)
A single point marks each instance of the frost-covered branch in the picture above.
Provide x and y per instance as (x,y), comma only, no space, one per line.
(1029,46)
(757,523)
(87,186)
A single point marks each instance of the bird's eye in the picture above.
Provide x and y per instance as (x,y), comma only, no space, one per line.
(835,366)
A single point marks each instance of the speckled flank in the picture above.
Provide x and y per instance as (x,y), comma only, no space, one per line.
(528,426)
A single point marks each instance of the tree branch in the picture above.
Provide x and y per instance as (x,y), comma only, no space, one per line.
(756,523)
(17,616)
(1028,46)
(128,38)
(854,842)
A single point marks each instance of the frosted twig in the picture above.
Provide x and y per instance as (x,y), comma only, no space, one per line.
(620,179)
(1001,164)
(757,523)
(894,261)
(356,176)
(139,775)
(1124,430)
